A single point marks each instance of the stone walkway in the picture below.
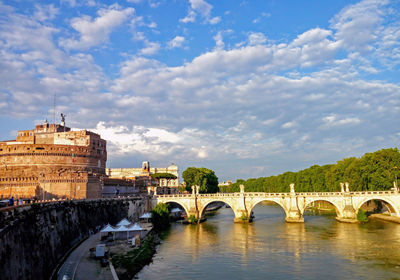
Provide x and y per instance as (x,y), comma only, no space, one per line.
(80,266)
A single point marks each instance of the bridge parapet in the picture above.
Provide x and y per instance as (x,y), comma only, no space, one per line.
(284,194)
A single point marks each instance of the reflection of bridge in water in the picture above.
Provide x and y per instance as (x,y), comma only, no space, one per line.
(294,204)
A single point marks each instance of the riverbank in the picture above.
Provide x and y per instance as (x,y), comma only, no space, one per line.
(385,218)
(129,261)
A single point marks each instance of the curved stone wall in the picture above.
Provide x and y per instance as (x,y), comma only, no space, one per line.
(34,239)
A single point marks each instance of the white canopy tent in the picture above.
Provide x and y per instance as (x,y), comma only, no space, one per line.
(136,226)
(108,228)
(136,229)
(124,222)
(146,217)
(121,232)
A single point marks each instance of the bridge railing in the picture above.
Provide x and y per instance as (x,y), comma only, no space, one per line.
(285,194)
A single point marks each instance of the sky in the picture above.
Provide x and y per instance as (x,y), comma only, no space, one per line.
(247,88)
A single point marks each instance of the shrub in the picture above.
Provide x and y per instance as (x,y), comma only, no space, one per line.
(160,217)
(192,219)
(362,216)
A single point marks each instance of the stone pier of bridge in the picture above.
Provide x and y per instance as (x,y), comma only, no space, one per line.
(345,202)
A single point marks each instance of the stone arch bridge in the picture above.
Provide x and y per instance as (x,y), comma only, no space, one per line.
(294,204)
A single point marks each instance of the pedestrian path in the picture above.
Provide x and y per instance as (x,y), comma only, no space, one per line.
(80,266)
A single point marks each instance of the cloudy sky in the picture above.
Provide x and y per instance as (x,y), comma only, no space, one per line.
(247,88)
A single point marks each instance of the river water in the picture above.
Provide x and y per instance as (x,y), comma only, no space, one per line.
(270,248)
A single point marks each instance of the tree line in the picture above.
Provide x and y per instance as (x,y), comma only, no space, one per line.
(371,172)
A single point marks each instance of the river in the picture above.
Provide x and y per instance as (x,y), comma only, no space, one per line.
(269,248)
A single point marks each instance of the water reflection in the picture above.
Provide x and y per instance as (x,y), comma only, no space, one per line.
(270,248)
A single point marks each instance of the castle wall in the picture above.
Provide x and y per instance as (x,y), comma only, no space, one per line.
(57,164)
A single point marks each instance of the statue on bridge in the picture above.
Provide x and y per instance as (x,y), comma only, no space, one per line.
(195,189)
(291,188)
(347,186)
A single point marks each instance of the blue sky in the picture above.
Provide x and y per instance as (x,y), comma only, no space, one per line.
(246,88)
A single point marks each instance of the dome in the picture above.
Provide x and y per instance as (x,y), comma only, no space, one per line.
(173,166)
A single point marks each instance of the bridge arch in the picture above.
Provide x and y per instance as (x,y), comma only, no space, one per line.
(177,202)
(389,204)
(204,206)
(258,201)
(333,203)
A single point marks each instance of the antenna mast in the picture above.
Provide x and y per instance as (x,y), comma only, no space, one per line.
(54,109)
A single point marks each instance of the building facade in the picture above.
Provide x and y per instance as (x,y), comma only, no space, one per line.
(51,161)
(164,185)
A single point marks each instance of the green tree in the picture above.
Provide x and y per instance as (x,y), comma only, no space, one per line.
(203,177)
(378,169)
(160,217)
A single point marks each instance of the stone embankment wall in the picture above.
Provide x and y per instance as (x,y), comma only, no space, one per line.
(34,239)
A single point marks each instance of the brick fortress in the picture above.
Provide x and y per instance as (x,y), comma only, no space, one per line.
(51,161)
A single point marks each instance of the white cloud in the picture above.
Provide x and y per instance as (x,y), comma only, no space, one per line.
(357,25)
(152,25)
(72,3)
(333,120)
(263,15)
(176,42)
(150,48)
(45,12)
(288,125)
(151,142)
(219,43)
(256,38)
(95,31)
(215,20)
(191,17)
(200,7)
(311,36)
